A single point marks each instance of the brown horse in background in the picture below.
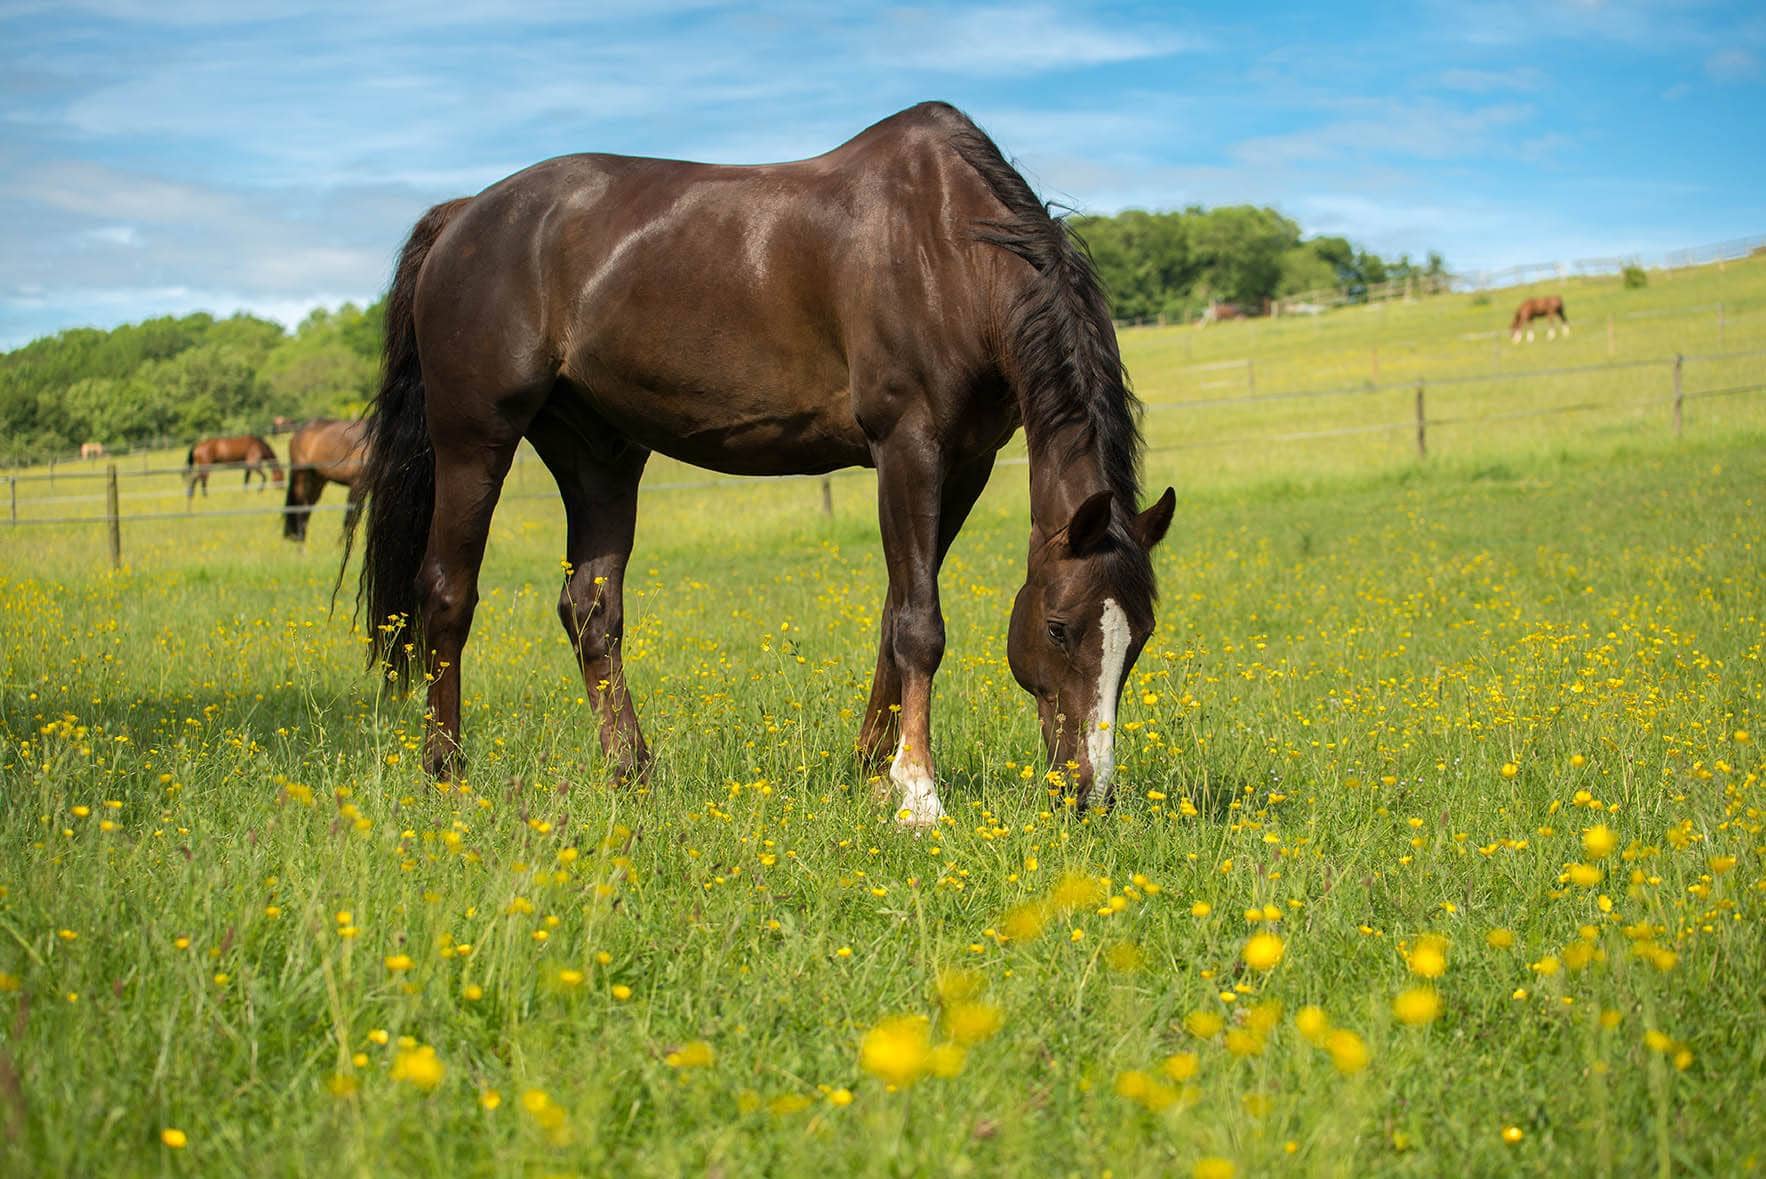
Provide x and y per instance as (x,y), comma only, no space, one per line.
(323,451)
(904,302)
(242,450)
(1539,307)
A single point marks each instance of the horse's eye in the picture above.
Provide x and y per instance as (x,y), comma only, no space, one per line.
(1058,633)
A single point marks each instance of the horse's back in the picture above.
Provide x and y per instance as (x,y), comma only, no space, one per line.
(705,308)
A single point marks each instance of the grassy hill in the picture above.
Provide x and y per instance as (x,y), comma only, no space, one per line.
(1475,740)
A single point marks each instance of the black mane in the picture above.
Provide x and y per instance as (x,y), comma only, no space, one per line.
(1060,339)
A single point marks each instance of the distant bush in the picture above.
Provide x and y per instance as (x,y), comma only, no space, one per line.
(1481,299)
(1636,278)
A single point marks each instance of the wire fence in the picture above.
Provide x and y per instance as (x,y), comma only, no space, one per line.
(1675,395)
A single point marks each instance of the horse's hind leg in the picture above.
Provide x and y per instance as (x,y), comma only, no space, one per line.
(599,485)
(471,459)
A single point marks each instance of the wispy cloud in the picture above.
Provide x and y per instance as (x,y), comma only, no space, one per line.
(156,153)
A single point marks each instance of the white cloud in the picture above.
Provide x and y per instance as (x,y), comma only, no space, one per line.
(1013,39)
(1732,65)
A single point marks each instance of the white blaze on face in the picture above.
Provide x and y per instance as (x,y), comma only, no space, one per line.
(1100,740)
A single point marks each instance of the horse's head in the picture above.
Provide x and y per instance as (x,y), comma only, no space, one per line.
(1078,626)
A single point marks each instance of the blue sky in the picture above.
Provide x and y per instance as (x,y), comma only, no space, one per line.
(158,156)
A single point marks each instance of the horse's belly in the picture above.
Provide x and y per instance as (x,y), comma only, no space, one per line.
(736,434)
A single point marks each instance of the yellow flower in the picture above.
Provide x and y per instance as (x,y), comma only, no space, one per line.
(1214,1167)
(1586,875)
(419,1067)
(693,1054)
(1428,958)
(840,1096)
(1203,1024)
(898,1050)
(1313,1023)
(1262,951)
(1417,1006)
(1201,909)
(1599,841)
(971,1023)
(1499,939)
(1181,1066)
(1026,922)
(620,992)
(946,1060)
(1510,769)
(570,978)
(1348,1051)
(399,963)
(490,1099)
(174,1138)
(1512,1134)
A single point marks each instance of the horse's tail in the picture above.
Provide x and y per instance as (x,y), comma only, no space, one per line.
(294,503)
(399,473)
(1563,312)
(190,456)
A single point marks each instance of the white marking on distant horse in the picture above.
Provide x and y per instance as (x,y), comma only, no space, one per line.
(1100,741)
(919,794)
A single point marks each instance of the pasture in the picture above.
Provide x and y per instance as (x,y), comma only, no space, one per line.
(1439,846)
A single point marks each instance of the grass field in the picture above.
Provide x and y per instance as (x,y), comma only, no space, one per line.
(1440,849)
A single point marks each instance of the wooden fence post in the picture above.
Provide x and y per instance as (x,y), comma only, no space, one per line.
(1679,396)
(827,497)
(116,524)
(1422,424)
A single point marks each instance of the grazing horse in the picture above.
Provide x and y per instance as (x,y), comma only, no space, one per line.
(246,450)
(91,450)
(903,302)
(323,451)
(1539,307)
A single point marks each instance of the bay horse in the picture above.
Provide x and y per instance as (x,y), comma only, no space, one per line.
(323,451)
(1539,307)
(246,450)
(903,302)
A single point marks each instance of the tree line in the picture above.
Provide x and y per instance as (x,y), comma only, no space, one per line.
(1175,264)
(181,378)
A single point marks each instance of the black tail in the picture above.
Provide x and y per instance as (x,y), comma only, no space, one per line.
(400,470)
(190,456)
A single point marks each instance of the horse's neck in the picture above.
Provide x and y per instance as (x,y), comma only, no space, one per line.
(1064,473)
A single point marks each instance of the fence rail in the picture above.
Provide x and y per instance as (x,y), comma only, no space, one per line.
(1421,423)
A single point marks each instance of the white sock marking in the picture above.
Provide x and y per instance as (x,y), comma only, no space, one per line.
(919,794)
(1100,740)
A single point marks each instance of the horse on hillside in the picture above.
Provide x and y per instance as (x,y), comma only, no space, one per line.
(1539,307)
(246,450)
(323,451)
(903,302)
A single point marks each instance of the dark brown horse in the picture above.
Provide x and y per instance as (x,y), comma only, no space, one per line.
(323,451)
(903,302)
(242,450)
(1539,307)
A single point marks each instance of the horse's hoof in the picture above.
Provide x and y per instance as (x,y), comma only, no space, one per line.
(919,818)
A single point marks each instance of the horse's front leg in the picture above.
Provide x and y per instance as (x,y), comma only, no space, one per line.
(910,481)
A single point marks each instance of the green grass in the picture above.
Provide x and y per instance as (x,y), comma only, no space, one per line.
(1351,651)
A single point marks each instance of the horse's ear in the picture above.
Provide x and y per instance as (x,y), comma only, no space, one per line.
(1149,527)
(1090,524)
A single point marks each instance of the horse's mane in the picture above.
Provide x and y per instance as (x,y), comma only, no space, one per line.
(1061,343)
